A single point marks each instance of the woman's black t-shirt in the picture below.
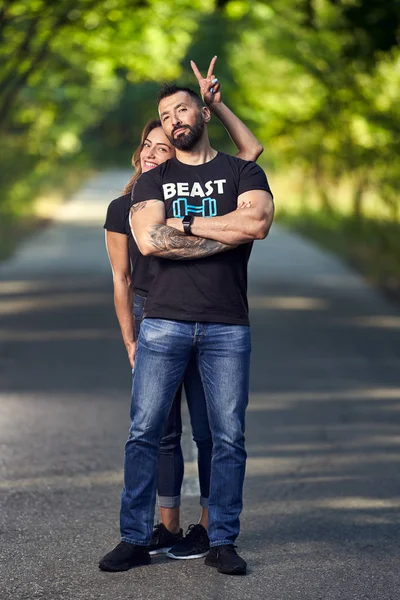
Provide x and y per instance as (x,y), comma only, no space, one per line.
(210,289)
(117,220)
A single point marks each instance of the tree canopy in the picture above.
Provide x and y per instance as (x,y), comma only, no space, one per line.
(317,80)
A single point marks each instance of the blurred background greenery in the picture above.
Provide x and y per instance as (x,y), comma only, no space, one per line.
(318,81)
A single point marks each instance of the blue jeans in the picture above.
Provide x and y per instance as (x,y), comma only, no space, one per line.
(164,350)
(170,460)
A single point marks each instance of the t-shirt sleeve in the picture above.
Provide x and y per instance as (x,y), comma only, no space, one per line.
(147,187)
(252,177)
(116,216)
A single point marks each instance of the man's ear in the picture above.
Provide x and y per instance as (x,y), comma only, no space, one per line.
(206,114)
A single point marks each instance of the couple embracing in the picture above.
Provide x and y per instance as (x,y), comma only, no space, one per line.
(180,238)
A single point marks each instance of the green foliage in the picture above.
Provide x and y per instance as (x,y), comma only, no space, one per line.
(319,108)
(65,64)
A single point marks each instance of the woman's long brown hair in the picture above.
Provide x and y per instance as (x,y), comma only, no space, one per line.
(153,124)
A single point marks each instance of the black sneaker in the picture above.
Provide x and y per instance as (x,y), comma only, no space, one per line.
(195,544)
(162,540)
(124,557)
(226,560)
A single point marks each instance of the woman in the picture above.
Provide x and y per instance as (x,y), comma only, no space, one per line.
(132,271)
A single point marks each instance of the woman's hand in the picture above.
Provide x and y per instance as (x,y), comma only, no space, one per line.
(131,349)
(210,88)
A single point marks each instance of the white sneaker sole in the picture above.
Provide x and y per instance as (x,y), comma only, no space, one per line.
(160,551)
(186,557)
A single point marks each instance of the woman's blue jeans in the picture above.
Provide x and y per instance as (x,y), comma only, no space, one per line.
(170,460)
(164,350)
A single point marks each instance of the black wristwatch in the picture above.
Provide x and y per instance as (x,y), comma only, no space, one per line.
(187,222)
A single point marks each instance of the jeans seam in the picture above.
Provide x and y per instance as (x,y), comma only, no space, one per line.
(205,393)
(208,417)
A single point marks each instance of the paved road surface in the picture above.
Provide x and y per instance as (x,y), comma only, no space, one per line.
(322,494)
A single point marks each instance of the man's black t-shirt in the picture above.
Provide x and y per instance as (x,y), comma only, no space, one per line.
(210,289)
(117,220)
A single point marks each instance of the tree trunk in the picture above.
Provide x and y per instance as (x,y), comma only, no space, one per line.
(322,187)
(358,197)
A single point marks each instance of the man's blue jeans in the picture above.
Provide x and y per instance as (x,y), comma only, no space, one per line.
(170,458)
(163,351)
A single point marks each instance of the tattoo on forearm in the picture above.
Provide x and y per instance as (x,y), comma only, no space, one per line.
(175,245)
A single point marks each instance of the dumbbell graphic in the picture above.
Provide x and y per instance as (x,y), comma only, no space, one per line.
(181,208)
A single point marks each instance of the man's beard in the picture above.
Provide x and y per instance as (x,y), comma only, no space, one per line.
(188,140)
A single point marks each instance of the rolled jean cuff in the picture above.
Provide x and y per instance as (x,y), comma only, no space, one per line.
(220,543)
(135,542)
(203,502)
(169,501)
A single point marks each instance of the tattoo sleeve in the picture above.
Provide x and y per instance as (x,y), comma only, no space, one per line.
(171,243)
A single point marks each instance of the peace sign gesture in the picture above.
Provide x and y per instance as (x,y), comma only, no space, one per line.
(210,88)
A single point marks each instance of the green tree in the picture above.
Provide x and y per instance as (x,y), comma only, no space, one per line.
(63,65)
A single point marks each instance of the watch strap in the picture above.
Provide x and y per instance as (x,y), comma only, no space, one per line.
(187,222)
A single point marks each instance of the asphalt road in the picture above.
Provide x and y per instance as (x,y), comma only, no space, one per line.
(322,493)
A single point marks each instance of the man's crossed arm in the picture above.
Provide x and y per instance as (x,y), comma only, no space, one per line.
(239,226)
(156,236)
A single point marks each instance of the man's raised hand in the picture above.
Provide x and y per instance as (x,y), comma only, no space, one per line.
(210,88)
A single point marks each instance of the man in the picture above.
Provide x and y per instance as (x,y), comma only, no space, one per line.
(188,213)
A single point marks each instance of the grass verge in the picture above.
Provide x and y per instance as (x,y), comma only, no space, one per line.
(370,245)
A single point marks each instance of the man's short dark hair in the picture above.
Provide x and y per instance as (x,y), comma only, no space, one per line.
(169,89)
